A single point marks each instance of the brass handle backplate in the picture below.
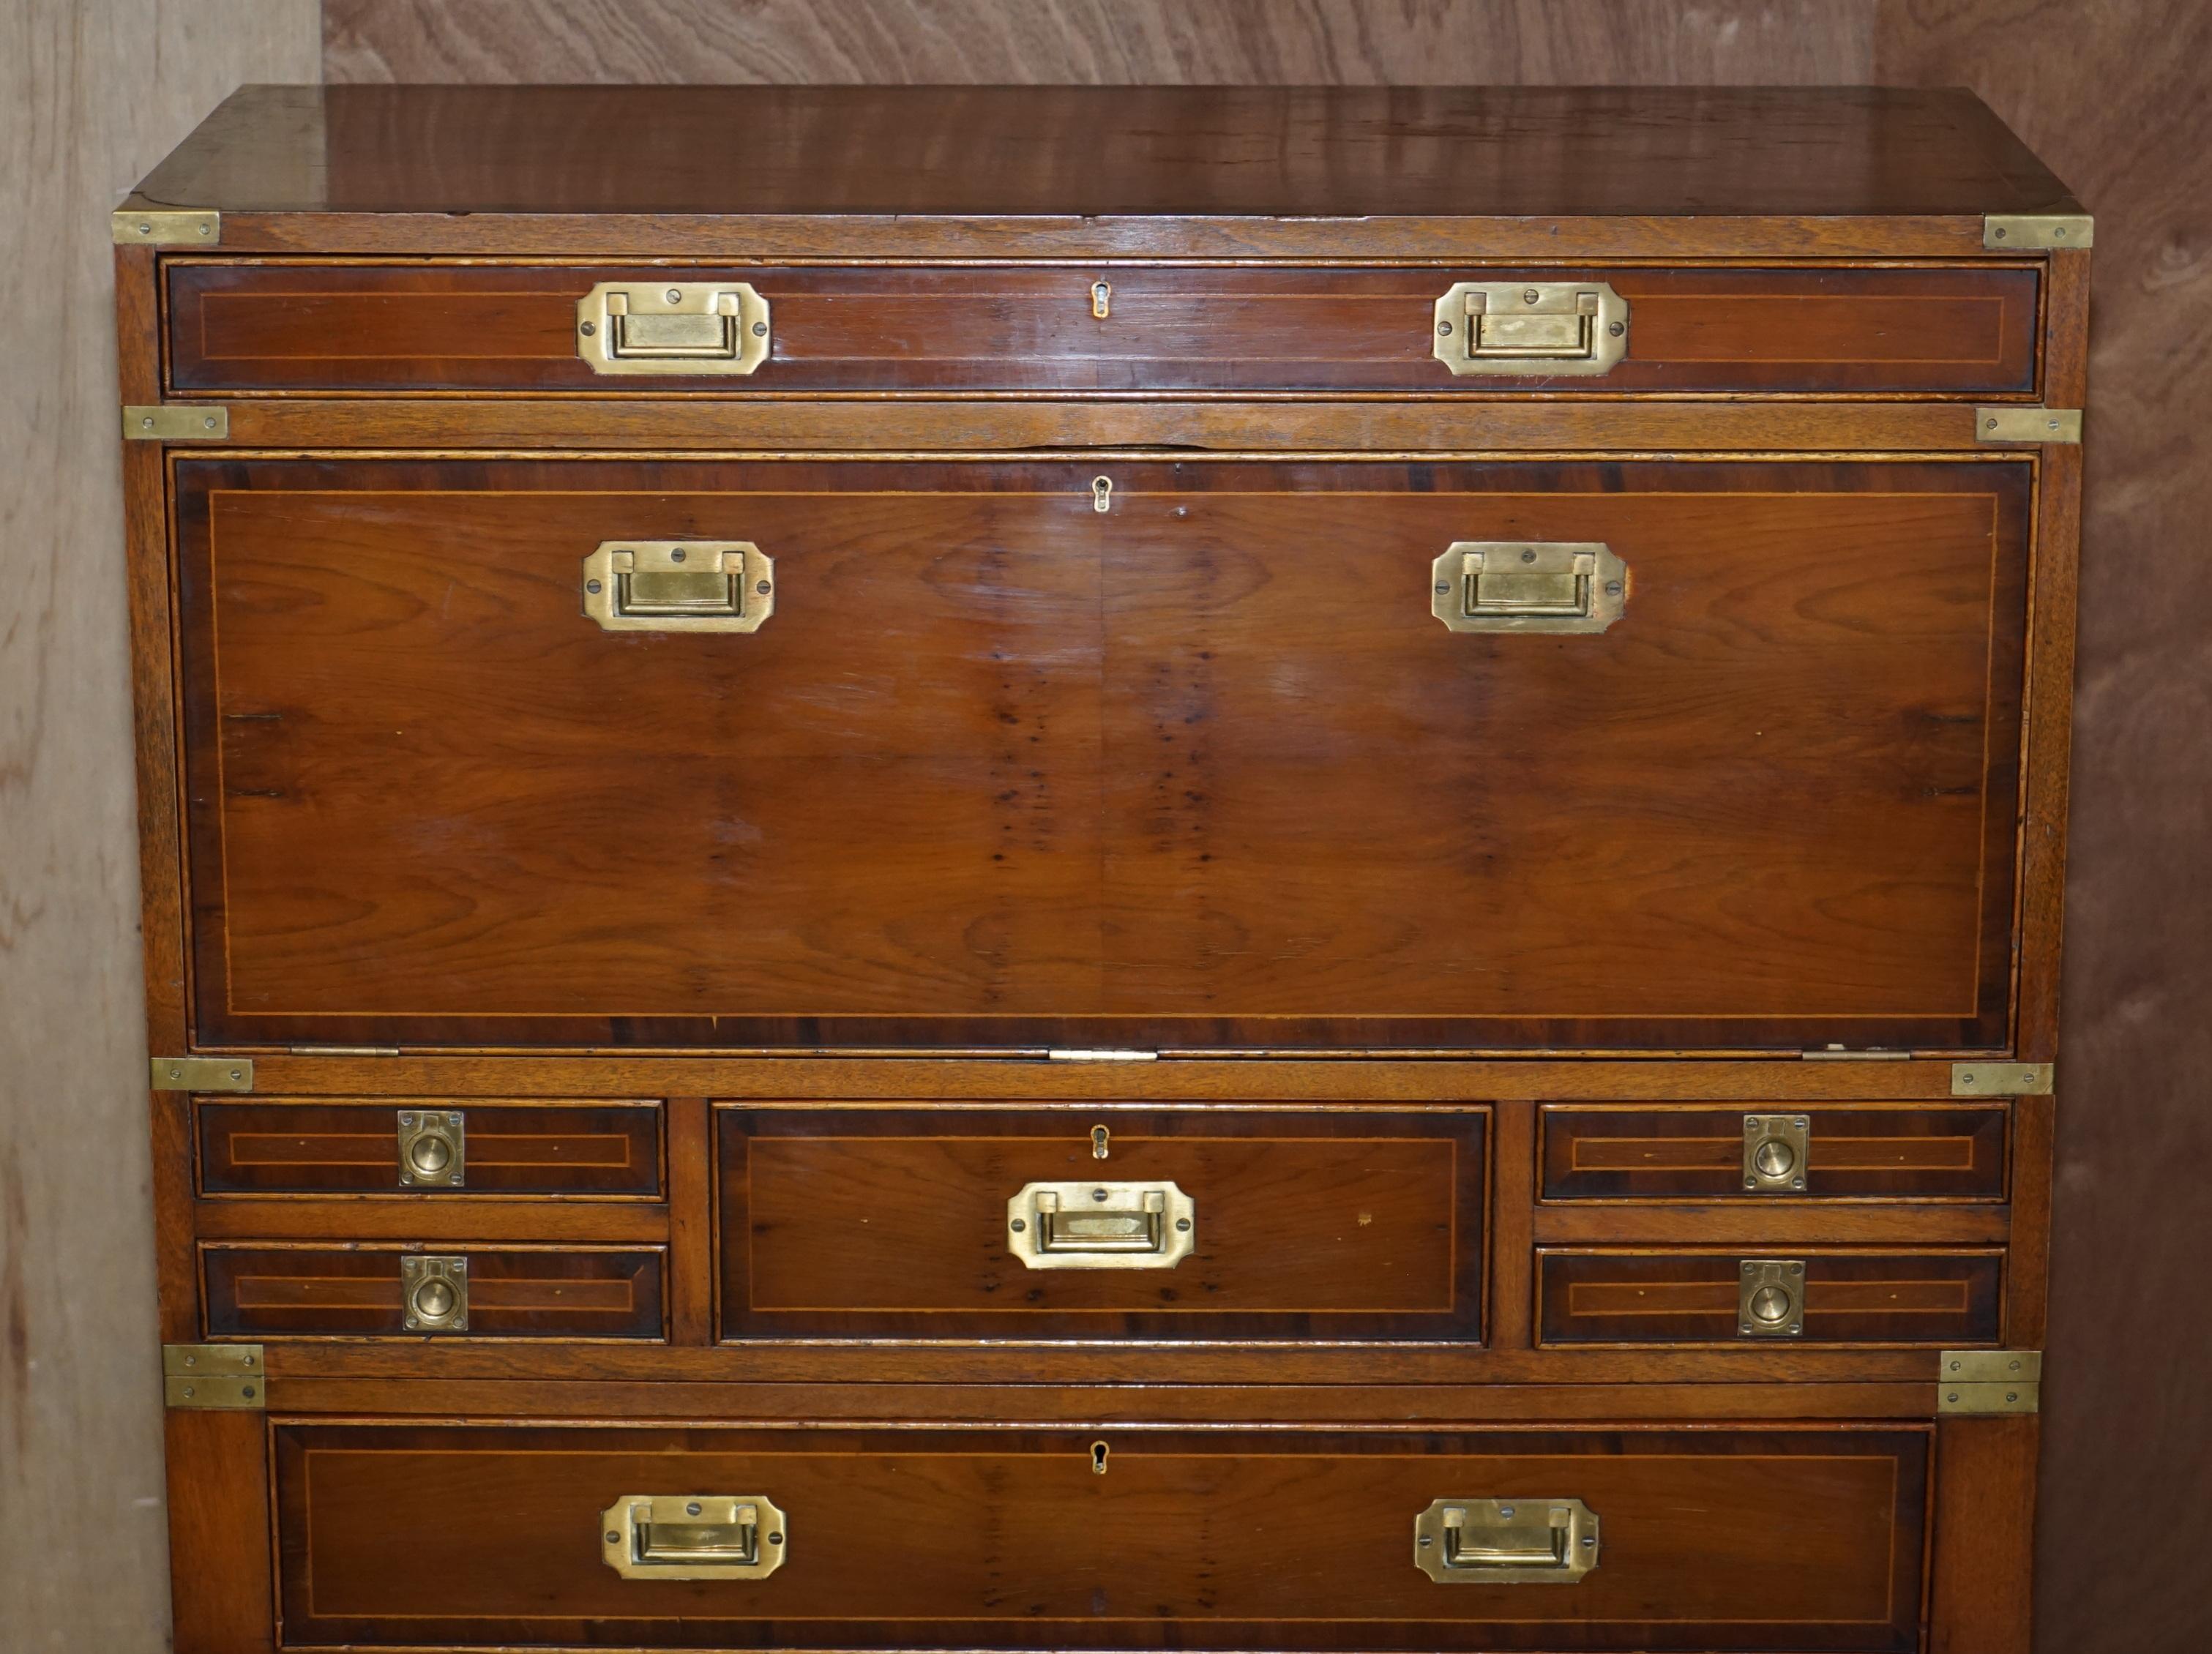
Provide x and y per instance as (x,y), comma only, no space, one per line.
(1531,329)
(1770,1298)
(1506,1542)
(1528,585)
(1098,1225)
(434,1149)
(679,586)
(684,328)
(434,1293)
(692,1536)
(1777,1153)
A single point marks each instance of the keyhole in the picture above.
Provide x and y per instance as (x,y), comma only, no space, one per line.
(1099,1139)
(1102,493)
(1101,298)
(1098,1458)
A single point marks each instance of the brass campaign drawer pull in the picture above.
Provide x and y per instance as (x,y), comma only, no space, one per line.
(1491,1541)
(685,328)
(1770,1298)
(1529,586)
(434,1148)
(1531,328)
(1097,1225)
(434,1293)
(692,1536)
(679,586)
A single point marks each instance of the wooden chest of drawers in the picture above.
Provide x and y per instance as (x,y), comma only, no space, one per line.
(1028,870)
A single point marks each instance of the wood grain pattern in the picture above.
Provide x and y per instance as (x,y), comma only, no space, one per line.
(1039,829)
(90,98)
(1219,1539)
(1896,1152)
(886,1223)
(295,325)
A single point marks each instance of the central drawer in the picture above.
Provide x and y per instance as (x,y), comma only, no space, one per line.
(1703,755)
(1718,1538)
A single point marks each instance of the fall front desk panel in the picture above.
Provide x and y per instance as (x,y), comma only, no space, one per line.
(1150,754)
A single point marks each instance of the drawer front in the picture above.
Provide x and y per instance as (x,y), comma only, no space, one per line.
(1892,1152)
(312,325)
(287,1146)
(862,1223)
(276,1291)
(1002,768)
(1774,1295)
(1727,1539)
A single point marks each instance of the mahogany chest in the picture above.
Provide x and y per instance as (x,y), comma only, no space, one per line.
(1017,870)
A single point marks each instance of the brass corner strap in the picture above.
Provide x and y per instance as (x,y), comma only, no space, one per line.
(1995,1077)
(1989,1382)
(2037,232)
(202,1073)
(176,422)
(2028,425)
(228,1376)
(166,226)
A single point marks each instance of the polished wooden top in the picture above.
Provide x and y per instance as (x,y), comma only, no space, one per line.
(1296,153)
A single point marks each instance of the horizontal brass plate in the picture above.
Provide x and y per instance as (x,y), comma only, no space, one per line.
(2027,424)
(213,1376)
(2027,232)
(176,422)
(1990,1382)
(1996,1079)
(202,1073)
(152,227)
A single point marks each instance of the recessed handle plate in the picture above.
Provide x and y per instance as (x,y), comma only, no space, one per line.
(679,586)
(692,1536)
(1506,1542)
(1531,329)
(1529,586)
(672,328)
(1100,1225)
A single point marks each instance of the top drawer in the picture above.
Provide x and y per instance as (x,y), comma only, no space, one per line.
(1938,330)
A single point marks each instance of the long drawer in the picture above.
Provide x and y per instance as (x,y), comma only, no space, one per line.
(1630,1538)
(1717,756)
(309,324)
(1188,1224)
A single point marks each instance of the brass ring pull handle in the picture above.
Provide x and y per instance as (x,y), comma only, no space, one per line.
(1531,329)
(687,328)
(1508,1541)
(679,586)
(1100,1225)
(1529,586)
(692,1536)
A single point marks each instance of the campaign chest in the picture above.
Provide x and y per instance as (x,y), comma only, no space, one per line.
(1024,869)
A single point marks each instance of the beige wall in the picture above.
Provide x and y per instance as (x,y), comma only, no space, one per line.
(2116,93)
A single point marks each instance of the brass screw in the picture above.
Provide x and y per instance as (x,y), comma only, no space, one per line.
(677,555)
(585,328)
(1182,1224)
(1618,329)
(1529,296)
(1018,1225)
(760,330)
(1442,327)
(592,585)
(674,296)
(761,589)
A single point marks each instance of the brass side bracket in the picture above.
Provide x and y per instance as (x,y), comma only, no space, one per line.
(1988,1381)
(2027,424)
(163,227)
(231,1376)
(202,1073)
(176,422)
(2032,232)
(2002,1079)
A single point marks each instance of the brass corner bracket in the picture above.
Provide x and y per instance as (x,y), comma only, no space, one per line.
(2034,232)
(1996,1078)
(202,1073)
(233,1376)
(166,226)
(1989,1382)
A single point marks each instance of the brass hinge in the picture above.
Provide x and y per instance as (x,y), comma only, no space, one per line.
(176,422)
(214,1376)
(1102,1056)
(344,1050)
(1989,1382)
(2037,232)
(2027,424)
(2002,1079)
(1838,1054)
(166,226)
(202,1073)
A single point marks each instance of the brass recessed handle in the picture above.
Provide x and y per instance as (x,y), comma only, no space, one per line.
(434,1293)
(1101,1226)
(672,327)
(679,586)
(1530,329)
(1770,1298)
(692,1536)
(1528,585)
(432,1148)
(1506,1541)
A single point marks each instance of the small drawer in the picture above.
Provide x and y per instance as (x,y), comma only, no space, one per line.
(1176,1224)
(1611,1538)
(429,1145)
(1776,1295)
(1810,1151)
(1933,330)
(273,1290)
